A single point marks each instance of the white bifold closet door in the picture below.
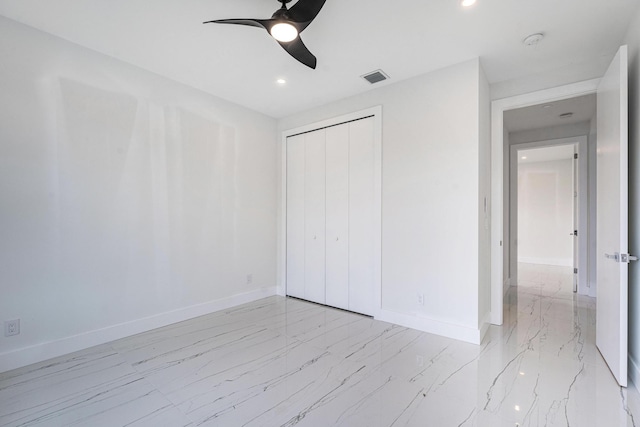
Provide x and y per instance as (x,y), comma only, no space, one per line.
(330,216)
(361,216)
(337,212)
(314,217)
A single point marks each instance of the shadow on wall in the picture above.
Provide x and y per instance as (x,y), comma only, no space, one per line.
(144,193)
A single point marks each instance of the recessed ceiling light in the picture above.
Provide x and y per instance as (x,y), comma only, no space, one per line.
(523,158)
(281,81)
(547,106)
(533,39)
(467,3)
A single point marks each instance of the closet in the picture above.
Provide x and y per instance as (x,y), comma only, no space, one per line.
(331,226)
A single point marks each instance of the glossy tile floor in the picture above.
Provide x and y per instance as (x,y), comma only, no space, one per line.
(284,362)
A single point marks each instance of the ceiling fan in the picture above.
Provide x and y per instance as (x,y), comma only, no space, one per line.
(286,25)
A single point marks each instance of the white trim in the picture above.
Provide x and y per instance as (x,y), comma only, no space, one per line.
(376,112)
(47,350)
(498,108)
(425,324)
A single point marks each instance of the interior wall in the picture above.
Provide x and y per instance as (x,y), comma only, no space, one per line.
(545,212)
(506,225)
(484,199)
(575,72)
(430,194)
(552,132)
(633,41)
(128,200)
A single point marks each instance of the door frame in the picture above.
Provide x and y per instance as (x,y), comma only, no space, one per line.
(498,107)
(581,143)
(376,114)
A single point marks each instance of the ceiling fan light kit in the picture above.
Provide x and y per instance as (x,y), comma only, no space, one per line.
(284,32)
(285,27)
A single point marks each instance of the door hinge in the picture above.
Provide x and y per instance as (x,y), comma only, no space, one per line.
(575,271)
(627,258)
(575,155)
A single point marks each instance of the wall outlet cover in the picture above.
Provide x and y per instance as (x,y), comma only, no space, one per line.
(11,327)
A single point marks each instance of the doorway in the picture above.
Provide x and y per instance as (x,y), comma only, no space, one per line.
(553,142)
(548,206)
(502,138)
(548,216)
(612,215)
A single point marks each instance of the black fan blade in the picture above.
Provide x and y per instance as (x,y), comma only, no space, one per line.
(305,11)
(299,51)
(260,23)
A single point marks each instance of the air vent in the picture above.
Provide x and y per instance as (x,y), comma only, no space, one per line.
(566,115)
(375,76)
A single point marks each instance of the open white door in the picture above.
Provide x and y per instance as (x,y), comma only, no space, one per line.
(612,243)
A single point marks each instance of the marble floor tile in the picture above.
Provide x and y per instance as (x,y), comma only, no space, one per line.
(95,387)
(285,362)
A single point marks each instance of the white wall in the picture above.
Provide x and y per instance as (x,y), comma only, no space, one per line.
(128,201)
(545,212)
(633,41)
(484,199)
(549,133)
(575,72)
(507,276)
(430,194)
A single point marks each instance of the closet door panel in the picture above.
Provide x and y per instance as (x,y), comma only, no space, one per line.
(295,216)
(361,216)
(314,218)
(337,216)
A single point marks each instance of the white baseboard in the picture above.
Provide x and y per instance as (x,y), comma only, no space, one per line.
(47,350)
(449,330)
(633,372)
(562,262)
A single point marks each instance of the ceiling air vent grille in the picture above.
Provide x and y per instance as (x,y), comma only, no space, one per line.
(375,76)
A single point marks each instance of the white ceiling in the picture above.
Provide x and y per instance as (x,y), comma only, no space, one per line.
(548,114)
(349,38)
(546,154)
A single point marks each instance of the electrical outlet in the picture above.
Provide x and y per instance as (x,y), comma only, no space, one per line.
(421,299)
(11,327)
(249,278)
